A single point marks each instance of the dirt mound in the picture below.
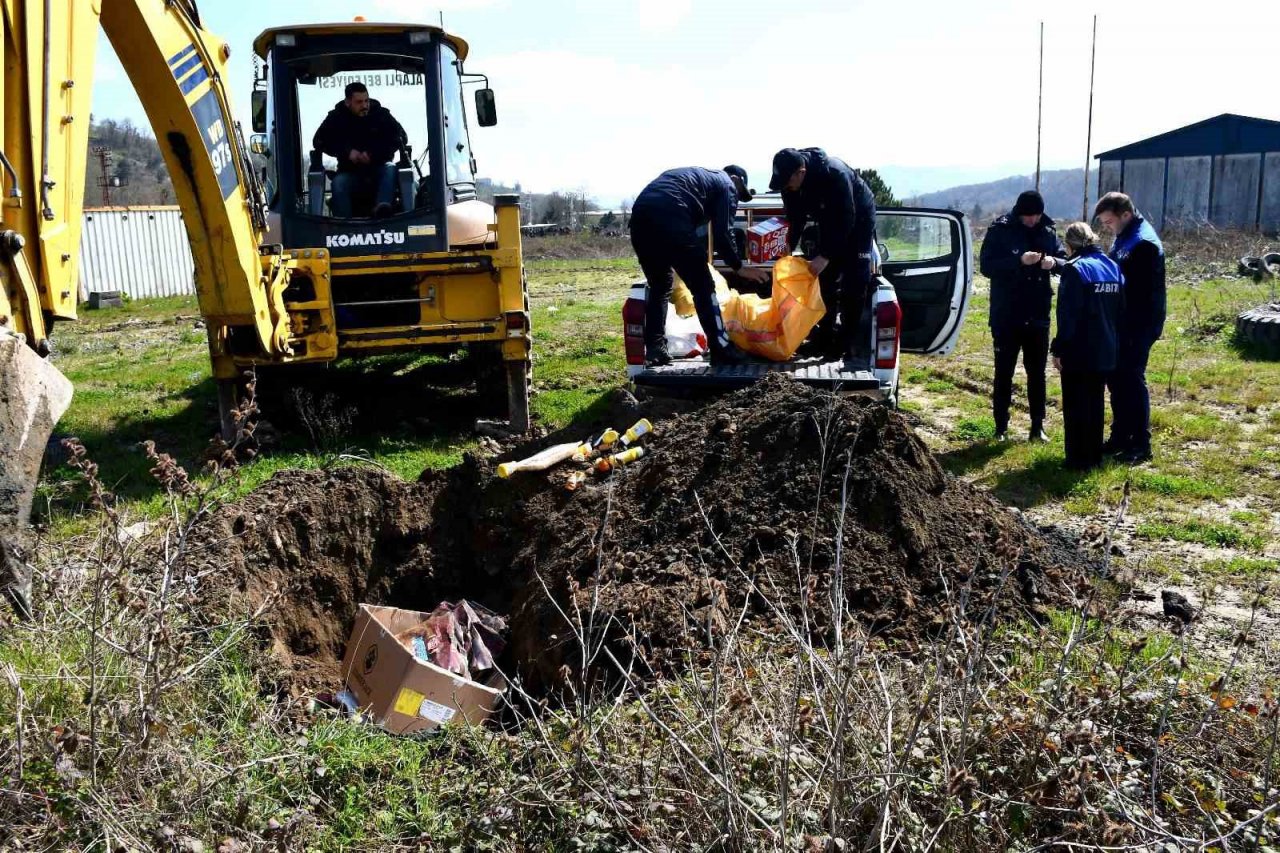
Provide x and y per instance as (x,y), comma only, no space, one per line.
(748,504)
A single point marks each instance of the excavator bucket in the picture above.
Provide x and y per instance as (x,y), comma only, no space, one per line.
(33,396)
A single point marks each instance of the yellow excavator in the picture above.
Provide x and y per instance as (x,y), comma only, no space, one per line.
(280,279)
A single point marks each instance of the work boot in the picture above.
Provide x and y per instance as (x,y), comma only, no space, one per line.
(1038,435)
(382,210)
(728,355)
(1114,447)
(656,354)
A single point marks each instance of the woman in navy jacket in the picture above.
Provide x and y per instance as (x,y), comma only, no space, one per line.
(1090,304)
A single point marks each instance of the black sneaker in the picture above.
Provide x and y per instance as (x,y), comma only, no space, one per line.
(729,355)
(1038,435)
(1136,456)
(656,355)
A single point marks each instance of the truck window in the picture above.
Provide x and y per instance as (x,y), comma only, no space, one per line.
(457,145)
(914,238)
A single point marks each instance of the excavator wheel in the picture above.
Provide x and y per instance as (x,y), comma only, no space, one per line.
(519,377)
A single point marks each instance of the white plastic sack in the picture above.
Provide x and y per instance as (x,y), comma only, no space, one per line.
(685,338)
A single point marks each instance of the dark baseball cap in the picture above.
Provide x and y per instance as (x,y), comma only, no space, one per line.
(744,194)
(1030,203)
(785,164)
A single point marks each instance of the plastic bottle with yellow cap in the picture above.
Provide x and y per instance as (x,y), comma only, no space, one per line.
(640,428)
(608,463)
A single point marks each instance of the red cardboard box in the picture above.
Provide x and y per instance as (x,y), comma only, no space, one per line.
(400,692)
(767,240)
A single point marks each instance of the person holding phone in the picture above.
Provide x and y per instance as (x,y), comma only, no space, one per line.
(1019,253)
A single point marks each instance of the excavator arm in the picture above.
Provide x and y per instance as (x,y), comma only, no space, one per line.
(180,73)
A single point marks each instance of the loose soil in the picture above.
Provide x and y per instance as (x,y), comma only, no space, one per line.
(746,507)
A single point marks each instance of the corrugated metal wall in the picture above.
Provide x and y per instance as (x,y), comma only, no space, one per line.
(1270,216)
(142,251)
(1187,201)
(1227,191)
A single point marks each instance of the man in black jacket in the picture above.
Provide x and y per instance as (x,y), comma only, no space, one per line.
(362,136)
(1140,254)
(1019,252)
(819,188)
(669,223)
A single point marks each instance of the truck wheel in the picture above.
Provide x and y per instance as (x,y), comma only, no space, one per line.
(519,375)
(1260,327)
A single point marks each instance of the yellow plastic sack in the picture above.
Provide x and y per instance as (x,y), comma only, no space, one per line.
(682,298)
(775,327)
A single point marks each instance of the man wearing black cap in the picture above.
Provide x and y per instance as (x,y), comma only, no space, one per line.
(669,222)
(823,189)
(1021,249)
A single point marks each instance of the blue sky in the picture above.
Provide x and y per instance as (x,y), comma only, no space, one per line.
(601,96)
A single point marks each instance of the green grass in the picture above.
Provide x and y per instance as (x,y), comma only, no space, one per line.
(1175,486)
(141,372)
(1251,568)
(1213,534)
(975,429)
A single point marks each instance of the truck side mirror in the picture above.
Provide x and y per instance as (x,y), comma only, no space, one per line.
(259,104)
(486,108)
(258,144)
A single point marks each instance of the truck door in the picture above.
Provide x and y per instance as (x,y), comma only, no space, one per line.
(927,254)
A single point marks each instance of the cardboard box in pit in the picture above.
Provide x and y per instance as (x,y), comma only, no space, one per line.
(404,694)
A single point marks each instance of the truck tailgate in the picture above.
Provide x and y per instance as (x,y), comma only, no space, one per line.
(697,373)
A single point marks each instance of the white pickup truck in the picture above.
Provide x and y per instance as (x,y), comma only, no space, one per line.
(920,301)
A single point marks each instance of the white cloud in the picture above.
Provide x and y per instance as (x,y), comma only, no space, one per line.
(656,16)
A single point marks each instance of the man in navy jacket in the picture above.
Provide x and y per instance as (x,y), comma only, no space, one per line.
(1090,301)
(669,222)
(826,190)
(1019,252)
(1140,254)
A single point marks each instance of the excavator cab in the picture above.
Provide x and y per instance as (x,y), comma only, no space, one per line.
(395,249)
(414,79)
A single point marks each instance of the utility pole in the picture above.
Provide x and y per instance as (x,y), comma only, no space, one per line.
(104,180)
(1040,108)
(1088,144)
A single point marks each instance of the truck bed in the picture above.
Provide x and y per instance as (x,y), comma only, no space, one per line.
(698,373)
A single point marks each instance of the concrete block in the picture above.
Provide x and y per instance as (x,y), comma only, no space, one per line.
(106,299)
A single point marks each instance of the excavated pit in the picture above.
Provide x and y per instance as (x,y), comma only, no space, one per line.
(737,508)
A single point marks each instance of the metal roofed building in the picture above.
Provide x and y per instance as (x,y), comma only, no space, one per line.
(1223,171)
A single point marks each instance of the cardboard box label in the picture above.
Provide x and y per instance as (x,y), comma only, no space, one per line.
(435,712)
(408,701)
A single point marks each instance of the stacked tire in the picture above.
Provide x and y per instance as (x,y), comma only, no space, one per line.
(1259,328)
